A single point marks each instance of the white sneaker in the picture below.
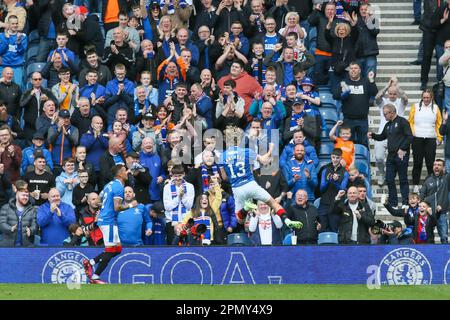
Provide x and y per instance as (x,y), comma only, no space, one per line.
(416,188)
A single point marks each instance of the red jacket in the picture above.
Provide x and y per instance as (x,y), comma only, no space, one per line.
(246,87)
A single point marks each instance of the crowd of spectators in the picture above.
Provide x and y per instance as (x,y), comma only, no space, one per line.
(153,85)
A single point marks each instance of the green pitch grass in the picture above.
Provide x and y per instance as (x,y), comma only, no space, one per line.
(227,292)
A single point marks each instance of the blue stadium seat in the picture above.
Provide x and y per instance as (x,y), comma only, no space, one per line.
(323,89)
(361,152)
(363,167)
(33,37)
(326,149)
(317,203)
(32,53)
(34,67)
(238,239)
(287,241)
(328,238)
(326,98)
(329,114)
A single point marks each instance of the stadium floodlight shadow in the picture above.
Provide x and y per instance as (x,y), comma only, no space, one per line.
(328,238)
(238,239)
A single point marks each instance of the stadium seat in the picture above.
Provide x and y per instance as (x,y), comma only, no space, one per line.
(287,240)
(317,203)
(324,89)
(238,239)
(33,37)
(34,67)
(32,53)
(326,98)
(363,167)
(361,152)
(328,238)
(326,149)
(329,114)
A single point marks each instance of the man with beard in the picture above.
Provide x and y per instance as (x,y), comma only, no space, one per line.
(300,174)
(92,62)
(131,221)
(429,190)
(32,102)
(10,92)
(40,181)
(89,216)
(18,221)
(10,154)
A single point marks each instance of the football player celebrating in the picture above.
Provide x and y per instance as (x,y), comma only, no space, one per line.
(113,195)
(236,163)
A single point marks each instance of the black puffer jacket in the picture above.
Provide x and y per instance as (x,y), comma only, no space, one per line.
(367,45)
(367,220)
(309,217)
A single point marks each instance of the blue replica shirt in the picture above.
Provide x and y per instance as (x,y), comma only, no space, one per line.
(237,164)
(113,190)
(269,45)
(130,223)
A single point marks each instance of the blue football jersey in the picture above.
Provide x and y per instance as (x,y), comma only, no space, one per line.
(237,164)
(108,216)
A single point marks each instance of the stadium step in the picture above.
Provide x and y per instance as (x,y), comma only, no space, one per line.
(398,42)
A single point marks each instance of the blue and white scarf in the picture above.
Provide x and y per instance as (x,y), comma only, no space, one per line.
(295,117)
(205,176)
(175,212)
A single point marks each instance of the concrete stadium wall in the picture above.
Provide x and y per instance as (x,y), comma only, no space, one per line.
(372,265)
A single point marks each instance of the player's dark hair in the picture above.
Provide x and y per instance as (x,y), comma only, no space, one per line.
(116,169)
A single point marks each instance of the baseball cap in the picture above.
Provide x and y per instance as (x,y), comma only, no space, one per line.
(64,113)
(158,207)
(133,155)
(298,101)
(149,115)
(38,136)
(307,82)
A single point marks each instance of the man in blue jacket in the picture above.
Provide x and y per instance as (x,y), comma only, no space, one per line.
(288,151)
(183,42)
(13,46)
(29,153)
(132,221)
(119,92)
(150,159)
(54,218)
(300,174)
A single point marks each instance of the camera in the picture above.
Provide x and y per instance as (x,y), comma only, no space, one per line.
(379,225)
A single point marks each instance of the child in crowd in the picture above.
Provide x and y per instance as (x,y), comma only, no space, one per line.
(344,143)
(409,212)
(76,238)
(258,67)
